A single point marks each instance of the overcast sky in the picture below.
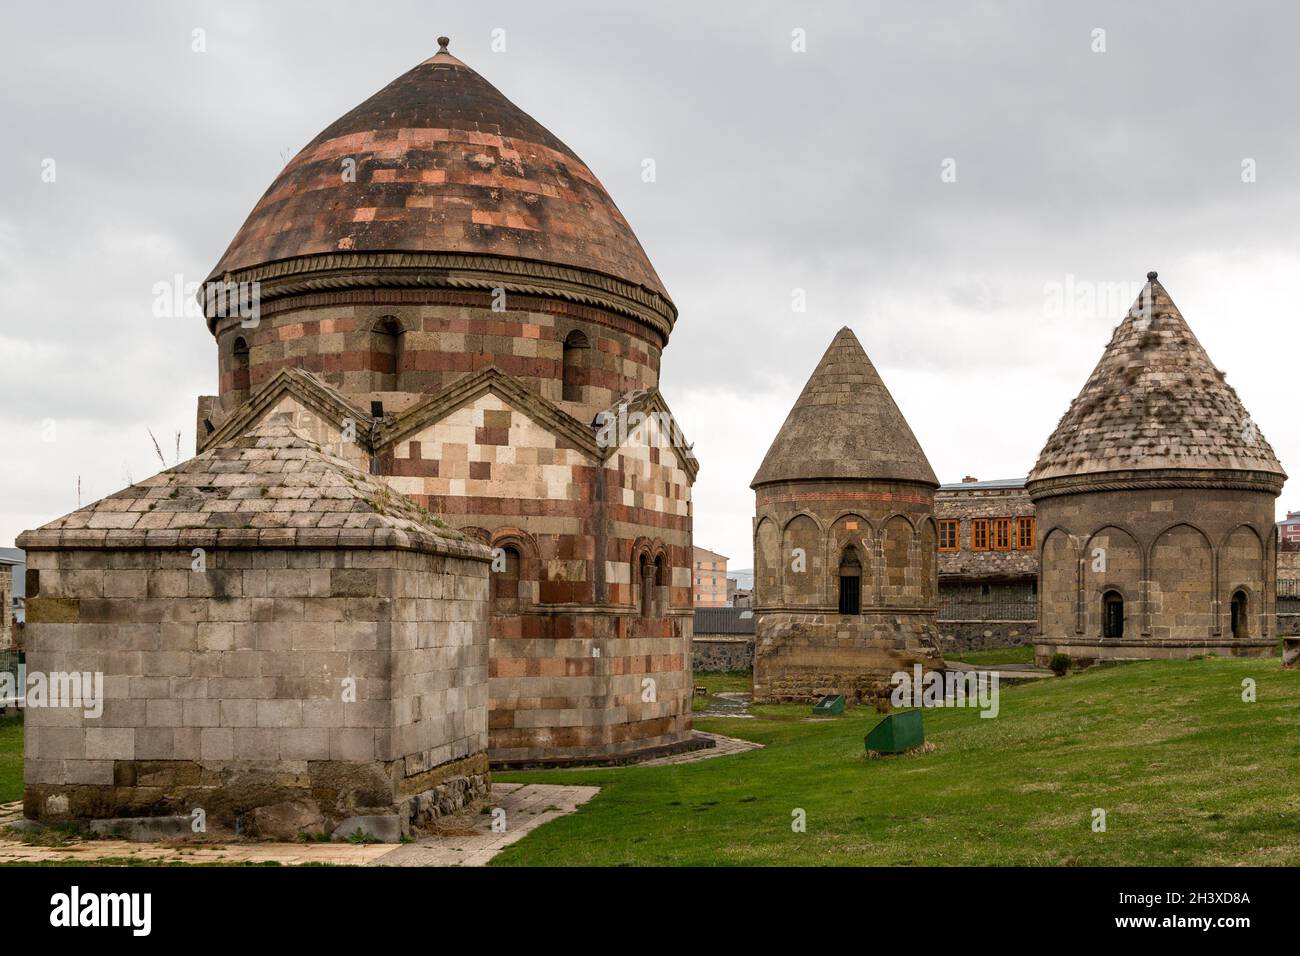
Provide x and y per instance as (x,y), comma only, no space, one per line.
(1081,161)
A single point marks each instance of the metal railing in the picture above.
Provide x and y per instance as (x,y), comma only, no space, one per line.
(994,607)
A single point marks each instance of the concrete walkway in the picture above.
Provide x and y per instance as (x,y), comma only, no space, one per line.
(526,806)
(1005,672)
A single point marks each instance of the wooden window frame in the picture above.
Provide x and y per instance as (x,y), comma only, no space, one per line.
(1023,524)
(955,525)
(1002,525)
(979,534)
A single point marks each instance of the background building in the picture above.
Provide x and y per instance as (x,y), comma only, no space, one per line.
(709,573)
(724,639)
(1288,531)
(987,563)
(1155,500)
(12,581)
(844,540)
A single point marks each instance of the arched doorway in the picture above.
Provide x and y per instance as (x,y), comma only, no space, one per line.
(1112,615)
(850,582)
(1240,614)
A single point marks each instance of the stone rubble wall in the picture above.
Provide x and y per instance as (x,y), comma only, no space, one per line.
(720,654)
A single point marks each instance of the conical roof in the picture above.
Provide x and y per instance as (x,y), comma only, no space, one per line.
(273,486)
(845,425)
(440,161)
(1155,401)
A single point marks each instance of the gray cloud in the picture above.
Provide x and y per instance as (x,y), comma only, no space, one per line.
(776,171)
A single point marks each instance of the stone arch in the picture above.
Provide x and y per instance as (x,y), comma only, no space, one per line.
(849,570)
(767,563)
(575,365)
(1242,566)
(1112,560)
(803,565)
(839,533)
(387,338)
(929,544)
(1115,611)
(898,574)
(1181,595)
(1059,583)
(641,580)
(529,573)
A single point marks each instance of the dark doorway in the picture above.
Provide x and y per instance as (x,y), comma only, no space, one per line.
(850,582)
(1240,614)
(1112,614)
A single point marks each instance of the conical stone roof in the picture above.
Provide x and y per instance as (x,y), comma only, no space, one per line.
(439,161)
(845,425)
(1155,401)
(272,487)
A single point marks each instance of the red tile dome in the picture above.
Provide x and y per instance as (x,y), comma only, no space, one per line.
(444,163)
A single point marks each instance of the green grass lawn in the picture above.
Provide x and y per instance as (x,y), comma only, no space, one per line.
(998,655)
(1186,772)
(11,757)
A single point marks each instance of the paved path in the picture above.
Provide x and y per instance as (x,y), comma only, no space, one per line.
(1005,672)
(722,747)
(526,807)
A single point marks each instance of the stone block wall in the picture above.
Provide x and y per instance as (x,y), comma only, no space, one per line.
(352,678)
(1175,556)
(445,334)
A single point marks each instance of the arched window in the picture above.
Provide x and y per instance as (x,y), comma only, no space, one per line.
(576,350)
(386,353)
(850,582)
(646,584)
(1240,614)
(1112,615)
(239,354)
(505,580)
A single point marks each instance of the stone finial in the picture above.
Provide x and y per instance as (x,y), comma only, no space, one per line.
(442,44)
(1152,276)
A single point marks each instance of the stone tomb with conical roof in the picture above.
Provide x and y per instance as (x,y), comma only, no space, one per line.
(844,540)
(448,298)
(1155,505)
(279,638)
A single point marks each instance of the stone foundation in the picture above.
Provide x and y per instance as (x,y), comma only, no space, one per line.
(802,657)
(1084,651)
(985,635)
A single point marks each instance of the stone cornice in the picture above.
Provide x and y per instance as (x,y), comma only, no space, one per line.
(396,539)
(343,270)
(1169,478)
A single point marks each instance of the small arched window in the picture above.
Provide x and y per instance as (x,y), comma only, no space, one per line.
(576,351)
(239,364)
(645,581)
(386,353)
(505,579)
(1240,614)
(1112,615)
(850,582)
